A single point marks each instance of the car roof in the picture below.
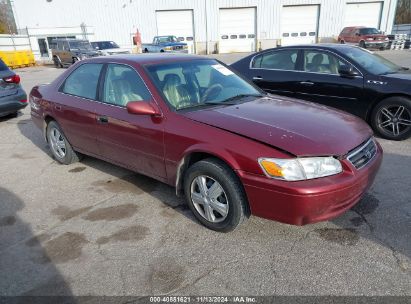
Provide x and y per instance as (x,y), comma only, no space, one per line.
(330,46)
(143,59)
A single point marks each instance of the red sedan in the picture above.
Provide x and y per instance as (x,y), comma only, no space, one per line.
(191,122)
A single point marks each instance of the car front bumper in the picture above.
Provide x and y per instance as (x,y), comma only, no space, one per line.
(12,103)
(310,201)
(376,44)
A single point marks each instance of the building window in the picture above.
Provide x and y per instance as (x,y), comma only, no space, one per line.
(189,38)
(251,36)
(233,37)
(224,37)
(286,34)
(303,34)
(242,36)
(311,34)
(294,34)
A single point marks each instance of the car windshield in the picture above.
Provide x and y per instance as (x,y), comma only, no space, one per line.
(200,82)
(80,45)
(104,45)
(373,63)
(167,39)
(369,31)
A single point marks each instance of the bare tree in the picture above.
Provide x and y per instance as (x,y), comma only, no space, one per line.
(7,23)
(403,14)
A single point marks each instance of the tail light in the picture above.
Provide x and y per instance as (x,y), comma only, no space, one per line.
(12,79)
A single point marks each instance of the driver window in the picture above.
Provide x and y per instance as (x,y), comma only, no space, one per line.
(321,62)
(122,84)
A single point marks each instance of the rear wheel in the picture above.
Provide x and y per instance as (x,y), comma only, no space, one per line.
(362,44)
(59,145)
(391,118)
(342,41)
(215,195)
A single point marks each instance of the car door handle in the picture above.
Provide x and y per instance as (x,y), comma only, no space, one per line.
(102,119)
(307,83)
(257,78)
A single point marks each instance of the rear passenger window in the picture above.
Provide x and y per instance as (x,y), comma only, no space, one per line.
(277,60)
(83,81)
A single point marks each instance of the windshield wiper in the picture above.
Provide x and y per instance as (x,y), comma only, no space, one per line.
(240,96)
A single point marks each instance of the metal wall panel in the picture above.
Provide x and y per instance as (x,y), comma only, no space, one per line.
(118,19)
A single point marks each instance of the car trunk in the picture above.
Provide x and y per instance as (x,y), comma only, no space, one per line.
(6,88)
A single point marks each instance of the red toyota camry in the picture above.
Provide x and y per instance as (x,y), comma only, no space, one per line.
(191,122)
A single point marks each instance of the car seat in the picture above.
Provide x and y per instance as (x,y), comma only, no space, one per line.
(175,93)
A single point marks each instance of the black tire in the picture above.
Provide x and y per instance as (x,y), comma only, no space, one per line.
(342,41)
(145,50)
(70,156)
(14,114)
(362,44)
(233,190)
(385,126)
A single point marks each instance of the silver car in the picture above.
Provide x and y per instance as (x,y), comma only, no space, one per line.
(12,96)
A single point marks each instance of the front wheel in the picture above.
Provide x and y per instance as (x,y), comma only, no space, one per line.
(215,195)
(391,118)
(59,145)
(362,44)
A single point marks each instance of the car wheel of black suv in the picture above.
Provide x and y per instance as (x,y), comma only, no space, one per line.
(215,195)
(391,118)
(59,145)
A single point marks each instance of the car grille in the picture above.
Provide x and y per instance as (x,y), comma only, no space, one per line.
(178,47)
(363,154)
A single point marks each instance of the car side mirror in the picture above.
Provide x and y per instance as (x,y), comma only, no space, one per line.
(347,71)
(142,108)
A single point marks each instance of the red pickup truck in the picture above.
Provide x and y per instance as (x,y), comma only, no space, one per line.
(365,37)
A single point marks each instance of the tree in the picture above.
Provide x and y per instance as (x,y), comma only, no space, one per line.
(7,24)
(403,13)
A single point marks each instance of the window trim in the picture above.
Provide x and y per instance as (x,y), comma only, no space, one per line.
(298,63)
(101,82)
(280,50)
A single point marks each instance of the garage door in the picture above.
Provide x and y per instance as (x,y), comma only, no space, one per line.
(299,24)
(237,30)
(178,23)
(363,14)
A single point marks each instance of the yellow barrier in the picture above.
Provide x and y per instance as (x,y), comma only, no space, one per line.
(16,59)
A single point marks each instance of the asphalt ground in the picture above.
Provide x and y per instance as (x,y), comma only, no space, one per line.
(92,228)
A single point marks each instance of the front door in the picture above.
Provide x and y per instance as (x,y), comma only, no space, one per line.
(133,141)
(322,83)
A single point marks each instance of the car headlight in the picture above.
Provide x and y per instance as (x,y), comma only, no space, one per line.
(387,39)
(303,168)
(369,39)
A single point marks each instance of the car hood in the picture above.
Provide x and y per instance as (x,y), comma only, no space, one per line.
(298,127)
(404,75)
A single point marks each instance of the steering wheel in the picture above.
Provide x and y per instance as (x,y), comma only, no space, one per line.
(215,89)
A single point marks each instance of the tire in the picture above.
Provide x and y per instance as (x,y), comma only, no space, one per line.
(54,134)
(145,50)
(232,195)
(362,44)
(391,118)
(342,41)
(14,114)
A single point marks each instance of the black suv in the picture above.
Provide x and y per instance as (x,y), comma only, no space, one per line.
(68,51)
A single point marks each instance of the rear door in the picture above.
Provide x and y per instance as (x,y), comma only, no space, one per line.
(6,88)
(76,104)
(133,141)
(322,83)
(276,71)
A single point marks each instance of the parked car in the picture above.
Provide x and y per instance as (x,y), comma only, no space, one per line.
(168,44)
(108,48)
(342,76)
(12,96)
(68,51)
(191,122)
(365,37)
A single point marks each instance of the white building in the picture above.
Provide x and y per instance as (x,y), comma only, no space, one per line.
(207,25)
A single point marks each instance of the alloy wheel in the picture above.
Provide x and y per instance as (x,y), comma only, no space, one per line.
(57,143)
(209,199)
(394,120)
